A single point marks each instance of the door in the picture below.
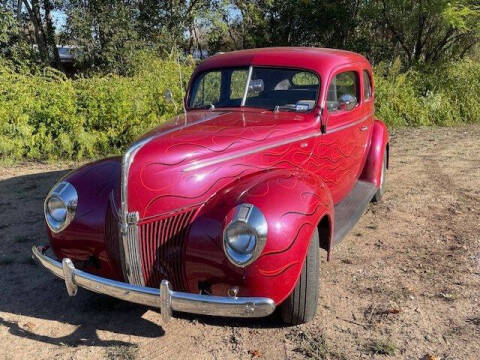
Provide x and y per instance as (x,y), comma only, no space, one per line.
(340,152)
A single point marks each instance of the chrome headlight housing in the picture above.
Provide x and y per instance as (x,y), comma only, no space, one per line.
(60,206)
(245,236)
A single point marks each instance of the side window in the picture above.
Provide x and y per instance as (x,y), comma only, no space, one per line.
(342,85)
(209,88)
(237,85)
(367,85)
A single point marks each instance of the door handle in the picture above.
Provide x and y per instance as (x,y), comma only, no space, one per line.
(364,128)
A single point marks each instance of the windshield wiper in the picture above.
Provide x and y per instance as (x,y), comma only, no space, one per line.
(206,106)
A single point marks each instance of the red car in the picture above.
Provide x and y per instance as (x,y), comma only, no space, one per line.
(222,210)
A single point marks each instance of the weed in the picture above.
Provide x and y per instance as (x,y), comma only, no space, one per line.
(121,352)
(312,346)
(382,347)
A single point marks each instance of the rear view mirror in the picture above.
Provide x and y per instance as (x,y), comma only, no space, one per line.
(347,102)
(256,85)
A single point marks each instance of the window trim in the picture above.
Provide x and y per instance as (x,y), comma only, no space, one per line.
(333,75)
(253,66)
(369,76)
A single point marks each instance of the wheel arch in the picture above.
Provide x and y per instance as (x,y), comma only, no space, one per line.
(379,144)
(294,203)
(325,233)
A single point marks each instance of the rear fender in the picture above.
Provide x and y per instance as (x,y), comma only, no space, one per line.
(293,204)
(372,170)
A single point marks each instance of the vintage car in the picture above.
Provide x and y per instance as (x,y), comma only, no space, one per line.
(222,210)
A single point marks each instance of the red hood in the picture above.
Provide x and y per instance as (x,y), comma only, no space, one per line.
(164,174)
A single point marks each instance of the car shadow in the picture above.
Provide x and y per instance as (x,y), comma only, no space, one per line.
(31,292)
(270,322)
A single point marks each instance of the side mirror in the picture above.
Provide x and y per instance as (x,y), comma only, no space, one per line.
(347,102)
(256,85)
(168,96)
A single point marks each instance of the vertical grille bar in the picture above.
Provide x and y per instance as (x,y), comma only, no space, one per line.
(131,251)
(161,249)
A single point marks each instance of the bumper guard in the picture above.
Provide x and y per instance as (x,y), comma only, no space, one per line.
(164,298)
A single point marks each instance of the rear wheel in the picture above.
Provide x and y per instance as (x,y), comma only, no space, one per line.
(301,306)
(379,194)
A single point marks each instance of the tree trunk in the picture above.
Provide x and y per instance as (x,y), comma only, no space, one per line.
(50,35)
(33,11)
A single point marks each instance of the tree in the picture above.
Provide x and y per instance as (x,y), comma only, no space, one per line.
(15,44)
(422,30)
(109,33)
(286,23)
(39,14)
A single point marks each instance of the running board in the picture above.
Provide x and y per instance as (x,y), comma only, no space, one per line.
(351,208)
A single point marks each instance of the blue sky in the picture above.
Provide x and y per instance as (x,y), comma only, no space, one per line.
(59,18)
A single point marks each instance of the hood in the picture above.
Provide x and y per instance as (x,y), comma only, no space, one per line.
(185,161)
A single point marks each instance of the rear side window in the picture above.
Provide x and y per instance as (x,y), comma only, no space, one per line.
(345,83)
(367,85)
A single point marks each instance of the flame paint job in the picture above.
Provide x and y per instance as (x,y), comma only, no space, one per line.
(214,160)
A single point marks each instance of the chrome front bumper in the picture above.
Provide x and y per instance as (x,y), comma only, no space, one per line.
(164,298)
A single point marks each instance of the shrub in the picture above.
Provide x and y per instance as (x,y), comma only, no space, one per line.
(45,115)
(442,95)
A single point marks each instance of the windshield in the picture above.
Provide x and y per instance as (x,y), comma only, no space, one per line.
(269,88)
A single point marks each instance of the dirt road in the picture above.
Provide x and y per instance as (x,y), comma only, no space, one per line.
(404,284)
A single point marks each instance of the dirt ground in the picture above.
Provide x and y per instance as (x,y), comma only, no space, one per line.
(404,284)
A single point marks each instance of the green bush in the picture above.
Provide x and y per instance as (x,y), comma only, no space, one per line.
(48,116)
(444,95)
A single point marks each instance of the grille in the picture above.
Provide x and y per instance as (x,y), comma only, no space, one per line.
(112,235)
(161,249)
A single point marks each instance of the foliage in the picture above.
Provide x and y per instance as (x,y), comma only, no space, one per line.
(440,95)
(420,31)
(47,116)
(108,34)
(13,46)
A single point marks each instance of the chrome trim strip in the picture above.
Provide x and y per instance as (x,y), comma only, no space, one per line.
(202,164)
(346,126)
(131,261)
(131,247)
(127,161)
(245,93)
(248,307)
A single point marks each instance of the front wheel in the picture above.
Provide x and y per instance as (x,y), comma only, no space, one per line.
(301,306)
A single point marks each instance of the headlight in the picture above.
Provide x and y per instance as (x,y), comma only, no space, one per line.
(60,206)
(245,236)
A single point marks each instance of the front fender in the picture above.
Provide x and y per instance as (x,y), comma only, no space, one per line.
(293,204)
(84,240)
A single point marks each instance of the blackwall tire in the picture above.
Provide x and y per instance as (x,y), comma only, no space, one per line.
(379,194)
(301,306)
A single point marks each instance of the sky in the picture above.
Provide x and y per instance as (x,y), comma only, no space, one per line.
(59,18)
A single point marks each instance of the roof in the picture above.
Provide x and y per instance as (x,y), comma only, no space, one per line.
(318,59)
